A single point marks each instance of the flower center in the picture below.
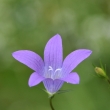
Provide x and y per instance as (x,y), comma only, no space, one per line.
(53,74)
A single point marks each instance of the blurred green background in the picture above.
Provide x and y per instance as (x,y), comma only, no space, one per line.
(28,24)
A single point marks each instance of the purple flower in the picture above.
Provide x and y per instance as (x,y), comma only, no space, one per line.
(53,71)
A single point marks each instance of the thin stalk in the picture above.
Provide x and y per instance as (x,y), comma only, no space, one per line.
(51,102)
(108,81)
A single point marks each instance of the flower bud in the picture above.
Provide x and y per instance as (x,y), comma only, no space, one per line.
(100,72)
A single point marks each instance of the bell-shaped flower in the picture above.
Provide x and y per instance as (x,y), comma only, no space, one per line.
(53,71)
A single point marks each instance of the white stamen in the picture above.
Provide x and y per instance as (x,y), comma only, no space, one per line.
(53,74)
(59,69)
(57,73)
(50,68)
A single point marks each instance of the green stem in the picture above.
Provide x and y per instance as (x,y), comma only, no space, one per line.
(108,81)
(51,102)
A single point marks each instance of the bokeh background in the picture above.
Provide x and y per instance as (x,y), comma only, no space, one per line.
(28,24)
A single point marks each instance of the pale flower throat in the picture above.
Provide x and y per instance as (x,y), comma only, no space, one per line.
(53,74)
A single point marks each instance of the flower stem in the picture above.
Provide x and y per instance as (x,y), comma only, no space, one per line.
(108,81)
(51,102)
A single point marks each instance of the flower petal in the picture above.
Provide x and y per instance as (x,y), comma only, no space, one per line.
(73,59)
(29,58)
(52,86)
(53,52)
(35,79)
(72,78)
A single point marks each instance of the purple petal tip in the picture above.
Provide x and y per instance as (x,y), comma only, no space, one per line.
(57,36)
(16,53)
(90,51)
